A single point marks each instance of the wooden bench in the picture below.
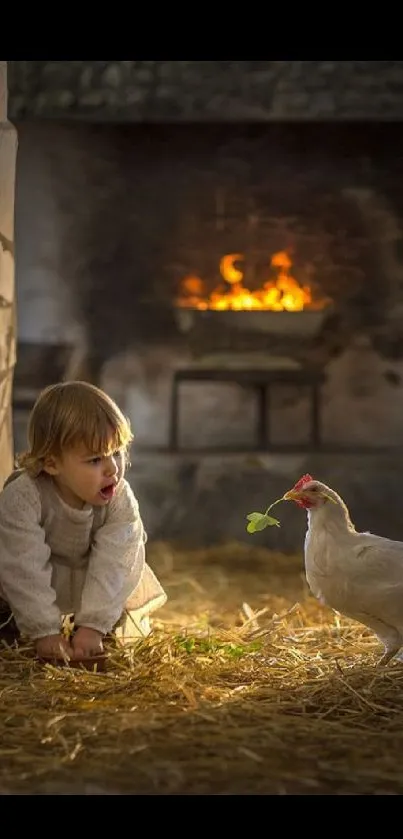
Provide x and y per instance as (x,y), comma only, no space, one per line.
(261,381)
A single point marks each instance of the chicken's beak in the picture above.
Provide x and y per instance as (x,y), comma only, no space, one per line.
(292,495)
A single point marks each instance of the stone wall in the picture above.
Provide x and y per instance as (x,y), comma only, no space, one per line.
(205,500)
(91,232)
(8,150)
(198,91)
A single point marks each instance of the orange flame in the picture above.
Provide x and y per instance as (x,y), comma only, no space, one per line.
(283,293)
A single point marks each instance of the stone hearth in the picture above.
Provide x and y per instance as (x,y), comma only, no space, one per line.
(125,210)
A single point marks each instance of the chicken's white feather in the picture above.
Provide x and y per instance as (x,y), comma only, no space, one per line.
(357,574)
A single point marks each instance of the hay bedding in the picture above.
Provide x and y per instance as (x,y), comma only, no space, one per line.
(248,686)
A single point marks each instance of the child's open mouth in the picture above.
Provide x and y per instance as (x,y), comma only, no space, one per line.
(108,492)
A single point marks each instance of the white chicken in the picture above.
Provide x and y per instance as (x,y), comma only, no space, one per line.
(357,574)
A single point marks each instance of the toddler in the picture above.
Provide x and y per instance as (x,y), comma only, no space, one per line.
(72,542)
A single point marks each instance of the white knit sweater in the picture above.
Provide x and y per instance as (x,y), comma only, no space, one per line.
(56,560)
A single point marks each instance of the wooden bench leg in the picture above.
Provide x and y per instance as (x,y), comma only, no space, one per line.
(315,416)
(262,421)
(174,417)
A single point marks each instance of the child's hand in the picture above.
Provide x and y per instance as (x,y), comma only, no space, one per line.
(86,642)
(53,646)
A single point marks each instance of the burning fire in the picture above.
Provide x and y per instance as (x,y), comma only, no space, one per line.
(283,293)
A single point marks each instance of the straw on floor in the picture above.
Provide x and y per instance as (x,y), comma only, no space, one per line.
(247,686)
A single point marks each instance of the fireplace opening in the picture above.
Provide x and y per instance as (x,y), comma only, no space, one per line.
(158,249)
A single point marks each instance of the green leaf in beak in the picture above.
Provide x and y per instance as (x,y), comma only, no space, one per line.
(259,521)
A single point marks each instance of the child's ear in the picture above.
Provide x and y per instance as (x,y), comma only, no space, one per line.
(50,465)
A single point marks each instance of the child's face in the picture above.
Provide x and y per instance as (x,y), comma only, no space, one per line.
(83,478)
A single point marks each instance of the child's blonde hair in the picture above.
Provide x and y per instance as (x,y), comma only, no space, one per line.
(70,413)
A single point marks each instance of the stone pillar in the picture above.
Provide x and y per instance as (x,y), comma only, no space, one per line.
(8,154)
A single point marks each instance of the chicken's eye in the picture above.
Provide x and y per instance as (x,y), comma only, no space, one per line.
(314,489)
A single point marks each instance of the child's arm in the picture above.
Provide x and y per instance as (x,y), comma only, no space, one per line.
(116,563)
(25,570)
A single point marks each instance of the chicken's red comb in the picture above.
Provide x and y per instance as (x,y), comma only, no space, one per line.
(302,481)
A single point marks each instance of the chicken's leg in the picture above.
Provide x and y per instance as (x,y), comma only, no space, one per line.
(389,653)
(389,636)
